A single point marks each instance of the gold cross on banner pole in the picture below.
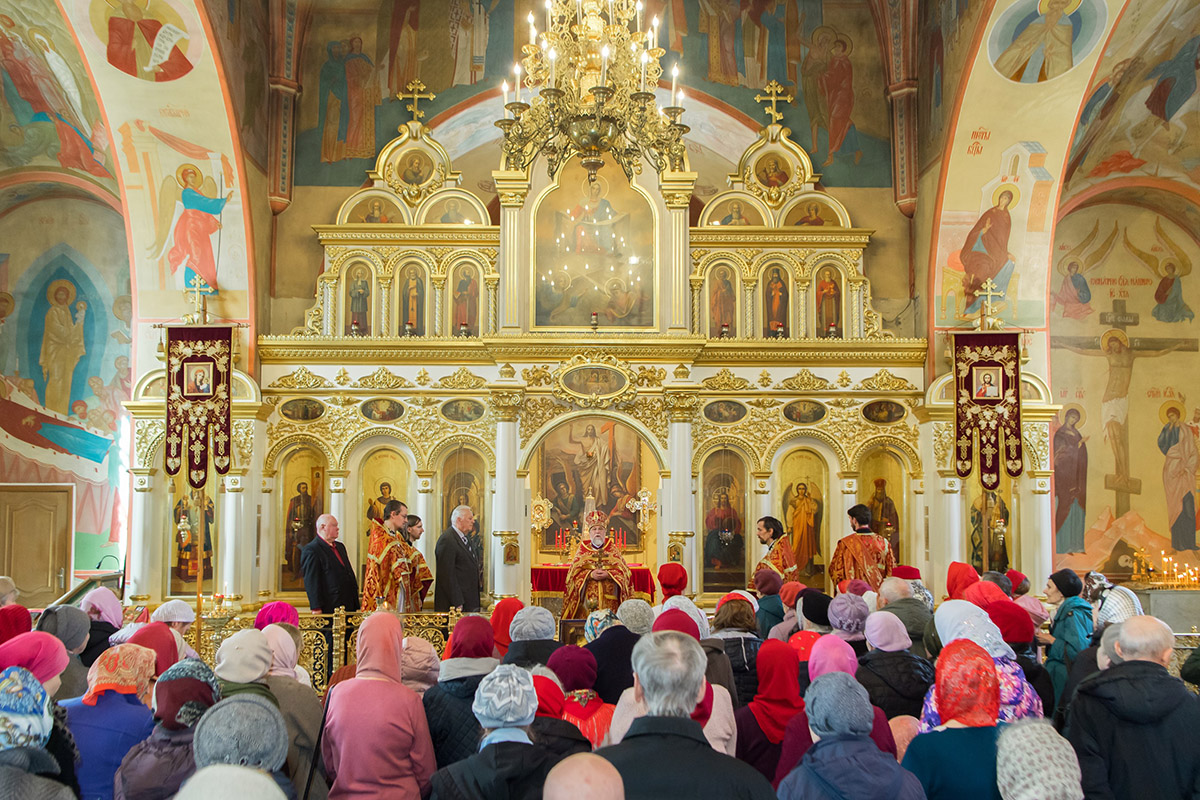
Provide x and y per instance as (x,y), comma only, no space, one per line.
(416,93)
(988,291)
(774,93)
(198,290)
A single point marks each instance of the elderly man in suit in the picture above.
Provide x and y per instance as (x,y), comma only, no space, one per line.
(328,574)
(457,579)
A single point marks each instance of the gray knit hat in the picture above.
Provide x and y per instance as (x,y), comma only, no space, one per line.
(838,704)
(1033,762)
(243,730)
(506,698)
(532,623)
(637,615)
(67,624)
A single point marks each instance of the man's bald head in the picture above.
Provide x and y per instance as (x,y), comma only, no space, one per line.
(893,589)
(584,776)
(1145,638)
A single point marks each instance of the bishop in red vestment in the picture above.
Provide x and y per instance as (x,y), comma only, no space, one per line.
(598,577)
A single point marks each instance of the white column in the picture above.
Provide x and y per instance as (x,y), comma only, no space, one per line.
(506,509)
(337,507)
(913,536)
(947,542)
(678,257)
(425,509)
(144,559)
(840,527)
(513,186)
(676,506)
(1037,522)
(268,564)
(236,546)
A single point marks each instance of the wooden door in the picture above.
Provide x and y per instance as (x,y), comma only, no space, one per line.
(35,541)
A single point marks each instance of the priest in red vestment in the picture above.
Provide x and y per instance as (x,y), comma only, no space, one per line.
(598,577)
(779,557)
(864,554)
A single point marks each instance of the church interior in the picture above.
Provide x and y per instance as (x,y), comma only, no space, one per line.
(416,250)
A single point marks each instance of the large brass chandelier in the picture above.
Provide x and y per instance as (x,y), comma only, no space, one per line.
(585,88)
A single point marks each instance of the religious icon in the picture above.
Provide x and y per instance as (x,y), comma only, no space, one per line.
(883,412)
(1170,270)
(594,381)
(193,517)
(595,457)
(464,316)
(374,210)
(1039,40)
(417,168)
(829,305)
(301,521)
(724,514)
(804,412)
(989,527)
(724,412)
(463,410)
(453,213)
(302,498)
(566,511)
(885,518)
(736,213)
(802,477)
(62,344)
(358,301)
(1070,482)
(1178,446)
(811,216)
(189,216)
(303,409)
(376,504)
(772,171)
(776,322)
(984,254)
(412,303)
(722,304)
(198,380)
(987,383)
(145,39)
(382,409)
(464,482)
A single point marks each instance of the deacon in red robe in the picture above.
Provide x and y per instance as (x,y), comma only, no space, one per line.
(864,555)
(598,577)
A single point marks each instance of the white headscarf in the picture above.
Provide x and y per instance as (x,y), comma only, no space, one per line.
(958,619)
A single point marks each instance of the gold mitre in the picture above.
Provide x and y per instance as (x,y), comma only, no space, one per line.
(596,519)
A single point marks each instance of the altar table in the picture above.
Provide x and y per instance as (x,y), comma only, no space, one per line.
(549,580)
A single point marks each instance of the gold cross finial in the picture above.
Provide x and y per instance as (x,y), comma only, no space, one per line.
(416,93)
(198,290)
(988,291)
(774,93)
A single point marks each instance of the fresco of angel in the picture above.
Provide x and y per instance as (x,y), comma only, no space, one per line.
(1170,270)
(803,508)
(1074,294)
(189,210)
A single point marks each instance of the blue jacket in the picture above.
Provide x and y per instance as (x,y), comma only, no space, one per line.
(104,733)
(1072,632)
(849,768)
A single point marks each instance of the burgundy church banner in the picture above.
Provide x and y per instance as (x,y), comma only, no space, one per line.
(199,366)
(987,405)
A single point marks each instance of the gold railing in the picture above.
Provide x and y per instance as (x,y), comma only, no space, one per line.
(330,640)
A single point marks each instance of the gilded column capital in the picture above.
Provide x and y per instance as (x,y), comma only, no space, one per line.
(681,404)
(337,479)
(507,403)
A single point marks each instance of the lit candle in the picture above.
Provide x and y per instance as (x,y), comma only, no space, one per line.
(674,77)
(549,6)
(604,65)
(517,72)
(553,55)
(638,6)
(532,30)
(579,11)
(679,99)
(504,88)
(645,60)
(611,19)
(654,32)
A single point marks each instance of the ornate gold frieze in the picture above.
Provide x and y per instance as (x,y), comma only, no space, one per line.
(536,412)
(537,376)
(383,378)
(147,435)
(651,412)
(301,378)
(342,378)
(587,380)
(681,406)
(423,378)
(764,380)
(725,381)
(462,378)
(804,381)
(943,444)
(884,381)
(1037,442)
(243,440)
(843,379)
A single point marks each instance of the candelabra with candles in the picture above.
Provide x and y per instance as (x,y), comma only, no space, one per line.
(590,77)
(1174,575)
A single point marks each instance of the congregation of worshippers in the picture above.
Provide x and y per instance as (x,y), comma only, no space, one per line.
(1012,686)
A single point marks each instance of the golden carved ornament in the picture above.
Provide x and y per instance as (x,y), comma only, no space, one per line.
(594,358)
(725,381)
(804,381)
(681,372)
(774,196)
(764,380)
(755,432)
(844,380)
(681,406)
(342,378)
(539,514)
(424,422)
(507,372)
(512,199)
(423,377)
(650,376)
(535,413)
(651,412)
(301,378)
(462,378)
(677,199)
(383,378)
(243,440)
(1037,440)
(884,381)
(537,376)
(147,433)
(413,195)
(507,404)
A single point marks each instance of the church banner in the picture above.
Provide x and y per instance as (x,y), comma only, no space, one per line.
(199,366)
(987,405)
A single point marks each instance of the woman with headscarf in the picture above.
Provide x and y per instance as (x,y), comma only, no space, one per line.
(452,725)
(1025,599)
(958,619)
(719,671)
(45,656)
(829,654)
(985,593)
(762,721)
(788,593)
(113,716)
(1070,629)
(672,578)
(958,759)
(768,583)
(1034,763)
(812,607)
(70,626)
(14,620)
(419,666)
(166,643)
(714,711)
(376,707)
(613,649)
(549,729)
(1016,628)
(300,708)
(848,616)
(502,617)
(958,577)
(597,623)
(25,725)
(104,610)
(179,617)
(274,612)
(158,766)
(736,624)
(582,707)
(245,731)
(243,661)
(895,679)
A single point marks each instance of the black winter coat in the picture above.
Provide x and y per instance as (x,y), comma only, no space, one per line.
(559,736)
(743,657)
(500,771)
(896,682)
(530,652)
(1134,727)
(1041,681)
(98,635)
(452,725)
(613,650)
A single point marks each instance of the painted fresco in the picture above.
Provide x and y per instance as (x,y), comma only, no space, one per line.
(1039,40)
(147,40)
(241,30)
(360,55)
(65,359)
(1124,356)
(947,35)
(49,112)
(803,487)
(302,494)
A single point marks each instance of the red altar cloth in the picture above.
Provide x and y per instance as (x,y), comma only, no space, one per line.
(552,579)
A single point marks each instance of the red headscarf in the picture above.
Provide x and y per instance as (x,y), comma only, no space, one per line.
(39,652)
(789,592)
(1016,578)
(674,619)
(967,688)
(1014,622)
(14,620)
(958,578)
(831,653)
(984,594)
(502,617)
(159,637)
(802,643)
(381,648)
(277,611)
(905,572)
(471,638)
(550,698)
(672,578)
(778,698)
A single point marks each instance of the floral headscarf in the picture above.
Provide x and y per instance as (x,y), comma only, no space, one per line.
(25,719)
(967,688)
(124,669)
(597,623)
(958,619)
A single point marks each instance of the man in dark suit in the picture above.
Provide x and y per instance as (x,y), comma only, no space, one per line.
(457,580)
(328,574)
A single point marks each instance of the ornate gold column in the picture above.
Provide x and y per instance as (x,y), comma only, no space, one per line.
(508,579)
(512,186)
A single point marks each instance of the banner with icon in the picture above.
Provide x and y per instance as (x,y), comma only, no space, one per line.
(199,387)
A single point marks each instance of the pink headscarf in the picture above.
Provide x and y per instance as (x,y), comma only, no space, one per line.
(277,611)
(831,653)
(39,652)
(105,603)
(283,651)
(381,648)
